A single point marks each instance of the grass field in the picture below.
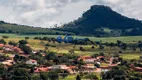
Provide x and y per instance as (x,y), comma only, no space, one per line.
(130,56)
(64,48)
(127,39)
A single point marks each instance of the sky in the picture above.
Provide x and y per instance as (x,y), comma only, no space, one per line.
(47,13)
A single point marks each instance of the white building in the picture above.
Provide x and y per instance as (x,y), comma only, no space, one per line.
(32,62)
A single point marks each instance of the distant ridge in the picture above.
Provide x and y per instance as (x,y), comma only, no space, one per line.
(23,29)
(101,20)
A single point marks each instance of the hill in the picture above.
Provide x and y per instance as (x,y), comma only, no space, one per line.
(23,29)
(101,20)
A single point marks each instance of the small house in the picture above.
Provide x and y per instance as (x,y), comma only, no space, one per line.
(32,62)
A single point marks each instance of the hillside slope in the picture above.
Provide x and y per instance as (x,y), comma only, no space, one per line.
(101,20)
(22,29)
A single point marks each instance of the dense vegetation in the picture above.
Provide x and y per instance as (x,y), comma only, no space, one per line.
(22,29)
(103,21)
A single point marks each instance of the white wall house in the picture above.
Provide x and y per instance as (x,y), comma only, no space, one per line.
(32,62)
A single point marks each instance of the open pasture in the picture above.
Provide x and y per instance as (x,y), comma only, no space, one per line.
(126,39)
(64,48)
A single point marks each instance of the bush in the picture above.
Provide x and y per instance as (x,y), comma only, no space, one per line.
(2,41)
(23,42)
(12,43)
(82,49)
(27,38)
(26,49)
(91,76)
(5,37)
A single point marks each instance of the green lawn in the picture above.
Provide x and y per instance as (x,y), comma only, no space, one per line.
(131,56)
(70,77)
(64,48)
(127,39)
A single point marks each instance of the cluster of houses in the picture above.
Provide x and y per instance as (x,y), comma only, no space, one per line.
(88,67)
(10,48)
(91,64)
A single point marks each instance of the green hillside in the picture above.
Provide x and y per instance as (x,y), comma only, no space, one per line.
(23,29)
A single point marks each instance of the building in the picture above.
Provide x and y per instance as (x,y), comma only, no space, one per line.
(32,62)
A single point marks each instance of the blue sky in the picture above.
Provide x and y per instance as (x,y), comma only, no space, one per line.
(46,13)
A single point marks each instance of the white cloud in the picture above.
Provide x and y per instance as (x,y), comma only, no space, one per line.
(112,1)
(45,13)
(130,8)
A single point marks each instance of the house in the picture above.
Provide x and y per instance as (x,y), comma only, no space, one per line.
(8,62)
(138,69)
(35,51)
(72,69)
(63,67)
(69,69)
(1,45)
(84,57)
(41,69)
(112,64)
(9,48)
(90,60)
(89,66)
(97,70)
(87,59)
(18,50)
(105,68)
(32,62)
(101,58)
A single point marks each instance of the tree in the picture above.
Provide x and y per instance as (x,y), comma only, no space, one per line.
(19,58)
(119,78)
(35,77)
(51,56)
(92,47)
(12,43)
(26,38)
(2,71)
(5,37)
(71,51)
(140,45)
(53,75)
(91,76)
(78,77)
(81,49)
(134,78)
(16,58)
(22,42)
(64,59)
(133,47)
(118,42)
(101,46)
(44,76)
(101,54)
(20,74)
(124,46)
(112,73)
(80,63)
(26,49)
(3,57)
(111,45)
(2,41)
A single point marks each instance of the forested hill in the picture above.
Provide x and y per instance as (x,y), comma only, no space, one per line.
(101,20)
(22,29)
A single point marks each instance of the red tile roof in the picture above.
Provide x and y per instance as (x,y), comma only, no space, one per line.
(72,67)
(1,45)
(100,57)
(43,69)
